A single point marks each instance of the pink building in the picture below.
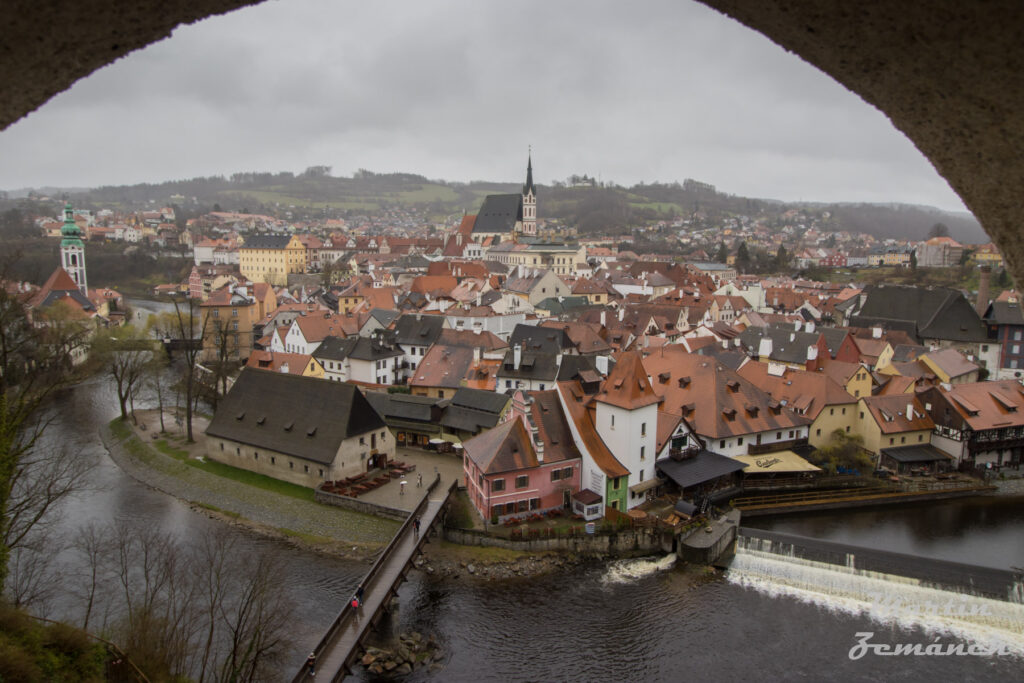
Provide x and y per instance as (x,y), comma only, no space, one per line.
(526,465)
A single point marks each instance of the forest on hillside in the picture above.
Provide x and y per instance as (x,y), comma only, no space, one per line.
(592,208)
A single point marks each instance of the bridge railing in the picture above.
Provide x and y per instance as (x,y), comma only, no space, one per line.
(346,610)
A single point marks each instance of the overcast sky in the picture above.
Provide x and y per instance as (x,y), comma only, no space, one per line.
(640,91)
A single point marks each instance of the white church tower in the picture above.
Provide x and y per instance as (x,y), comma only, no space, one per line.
(529,201)
(72,250)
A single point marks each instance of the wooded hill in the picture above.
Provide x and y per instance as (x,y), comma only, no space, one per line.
(316,194)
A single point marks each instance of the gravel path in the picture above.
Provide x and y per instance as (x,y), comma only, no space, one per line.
(319,527)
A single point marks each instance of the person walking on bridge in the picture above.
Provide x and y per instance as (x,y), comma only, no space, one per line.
(416,527)
(311,664)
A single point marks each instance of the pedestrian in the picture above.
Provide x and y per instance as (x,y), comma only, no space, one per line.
(401,487)
(311,664)
(419,480)
(416,524)
(359,594)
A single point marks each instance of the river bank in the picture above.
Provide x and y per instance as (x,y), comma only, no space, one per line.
(305,524)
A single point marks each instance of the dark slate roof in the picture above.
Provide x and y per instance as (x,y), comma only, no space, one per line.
(540,339)
(559,305)
(916,453)
(404,406)
(499,213)
(1004,313)
(58,294)
(266,241)
(833,339)
(703,467)
(373,348)
(924,312)
(384,316)
(474,410)
(418,330)
(303,417)
(788,345)
(335,348)
(486,401)
(573,366)
(540,366)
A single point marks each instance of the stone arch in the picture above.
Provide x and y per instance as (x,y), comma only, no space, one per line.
(947,73)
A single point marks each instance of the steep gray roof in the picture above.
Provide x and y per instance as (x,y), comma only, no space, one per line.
(499,213)
(335,348)
(303,417)
(543,339)
(418,330)
(540,366)
(266,241)
(926,312)
(1004,313)
(788,345)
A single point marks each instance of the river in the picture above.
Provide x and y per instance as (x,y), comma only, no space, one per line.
(629,620)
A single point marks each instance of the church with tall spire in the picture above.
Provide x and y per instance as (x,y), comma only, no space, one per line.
(529,222)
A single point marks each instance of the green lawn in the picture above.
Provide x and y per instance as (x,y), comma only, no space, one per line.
(144,452)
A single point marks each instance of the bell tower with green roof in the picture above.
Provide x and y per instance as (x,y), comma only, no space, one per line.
(72,250)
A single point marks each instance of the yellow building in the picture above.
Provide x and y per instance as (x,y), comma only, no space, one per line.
(988,254)
(229,315)
(853,377)
(270,258)
(892,421)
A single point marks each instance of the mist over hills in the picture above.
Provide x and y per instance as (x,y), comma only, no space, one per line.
(580,201)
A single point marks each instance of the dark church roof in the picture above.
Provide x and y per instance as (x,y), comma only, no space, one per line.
(499,213)
(266,241)
(299,416)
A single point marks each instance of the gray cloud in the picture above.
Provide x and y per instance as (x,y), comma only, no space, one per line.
(453,89)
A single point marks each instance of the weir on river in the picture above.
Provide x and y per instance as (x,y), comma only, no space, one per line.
(981,604)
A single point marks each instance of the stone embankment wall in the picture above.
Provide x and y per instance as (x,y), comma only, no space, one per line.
(624,543)
(360,506)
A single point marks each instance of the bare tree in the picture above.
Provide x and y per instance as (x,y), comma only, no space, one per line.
(156,381)
(207,610)
(36,352)
(187,326)
(126,354)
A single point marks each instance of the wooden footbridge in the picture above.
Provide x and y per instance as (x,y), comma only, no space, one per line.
(342,643)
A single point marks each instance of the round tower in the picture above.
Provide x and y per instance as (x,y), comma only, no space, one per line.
(72,250)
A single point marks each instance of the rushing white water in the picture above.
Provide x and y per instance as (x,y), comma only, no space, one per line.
(628,571)
(886,598)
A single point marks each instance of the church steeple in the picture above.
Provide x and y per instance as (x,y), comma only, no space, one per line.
(529,199)
(72,250)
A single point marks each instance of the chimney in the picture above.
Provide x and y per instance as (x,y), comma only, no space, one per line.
(622,314)
(910,411)
(796,325)
(792,336)
(764,349)
(284,368)
(812,357)
(810,326)
(984,279)
(604,318)
(538,443)
(876,332)
(601,363)
(476,352)
(517,356)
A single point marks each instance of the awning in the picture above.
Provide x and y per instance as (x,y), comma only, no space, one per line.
(916,453)
(437,441)
(644,485)
(701,468)
(779,461)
